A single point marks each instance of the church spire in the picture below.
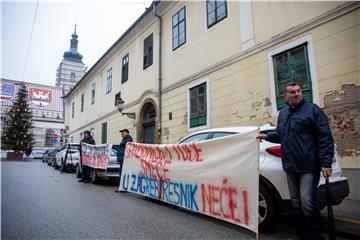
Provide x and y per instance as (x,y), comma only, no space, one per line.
(73,54)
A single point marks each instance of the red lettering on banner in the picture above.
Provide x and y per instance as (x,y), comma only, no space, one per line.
(184,152)
(155,168)
(178,155)
(223,197)
(246,206)
(166,148)
(198,157)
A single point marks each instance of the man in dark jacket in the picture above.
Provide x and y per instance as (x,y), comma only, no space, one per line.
(307,149)
(121,150)
(86,169)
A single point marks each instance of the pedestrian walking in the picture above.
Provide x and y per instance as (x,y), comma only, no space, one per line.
(86,169)
(125,134)
(307,149)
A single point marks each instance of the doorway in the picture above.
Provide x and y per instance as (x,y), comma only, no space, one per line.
(148,123)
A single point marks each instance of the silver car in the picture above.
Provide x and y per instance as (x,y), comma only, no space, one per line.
(112,170)
(68,157)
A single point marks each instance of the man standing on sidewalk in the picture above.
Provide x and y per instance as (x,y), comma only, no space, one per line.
(121,150)
(307,148)
(86,169)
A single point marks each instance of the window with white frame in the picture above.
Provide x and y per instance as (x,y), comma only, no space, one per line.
(292,65)
(93,86)
(72,109)
(82,102)
(125,69)
(198,105)
(148,52)
(179,29)
(104,132)
(216,11)
(109,80)
(72,76)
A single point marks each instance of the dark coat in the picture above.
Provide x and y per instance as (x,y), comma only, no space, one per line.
(89,140)
(305,137)
(121,149)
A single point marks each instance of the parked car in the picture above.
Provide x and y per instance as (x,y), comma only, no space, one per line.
(112,170)
(273,190)
(67,158)
(50,156)
(46,153)
(37,154)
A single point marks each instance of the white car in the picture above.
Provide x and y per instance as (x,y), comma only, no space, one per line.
(68,157)
(112,170)
(273,190)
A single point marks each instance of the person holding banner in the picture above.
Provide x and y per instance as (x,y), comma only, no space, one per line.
(307,149)
(86,169)
(121,150)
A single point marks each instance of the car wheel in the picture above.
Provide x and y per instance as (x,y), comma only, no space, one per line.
(267,209)
(77,170)
(93,176)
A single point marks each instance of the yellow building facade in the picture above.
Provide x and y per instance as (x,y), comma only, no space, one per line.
(186,66)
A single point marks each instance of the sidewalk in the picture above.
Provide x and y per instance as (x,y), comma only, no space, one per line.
(347,217)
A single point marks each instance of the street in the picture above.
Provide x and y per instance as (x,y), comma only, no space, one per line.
(40,203)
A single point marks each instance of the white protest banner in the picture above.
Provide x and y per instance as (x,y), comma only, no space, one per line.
(96,156)
(219,177)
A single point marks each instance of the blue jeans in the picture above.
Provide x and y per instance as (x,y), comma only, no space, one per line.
(303,194)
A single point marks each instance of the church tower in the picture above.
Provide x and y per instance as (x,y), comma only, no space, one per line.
(71,69)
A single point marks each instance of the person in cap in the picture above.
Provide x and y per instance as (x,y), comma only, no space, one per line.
(121,150)
(86,169)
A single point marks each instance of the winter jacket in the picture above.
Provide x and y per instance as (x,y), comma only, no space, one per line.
(305,137)
(121,149)
(89,140)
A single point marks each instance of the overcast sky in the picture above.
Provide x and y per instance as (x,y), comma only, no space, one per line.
(100,24)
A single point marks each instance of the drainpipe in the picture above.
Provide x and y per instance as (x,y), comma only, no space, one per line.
(159,73)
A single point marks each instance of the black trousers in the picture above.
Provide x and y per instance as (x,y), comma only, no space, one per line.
(86,172)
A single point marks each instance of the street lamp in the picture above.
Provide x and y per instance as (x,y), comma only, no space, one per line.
(120,107)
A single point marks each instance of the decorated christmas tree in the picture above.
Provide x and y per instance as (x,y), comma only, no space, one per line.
(17,134)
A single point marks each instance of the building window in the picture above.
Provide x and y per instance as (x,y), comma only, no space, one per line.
(179,29)
(104,132)
(71,139)
(109,80)
(198,106)
(49,134)
(72,76)
(292,66)
(81,136)
(72,109)
(93,93)
(216,11)
(148,51)
(125,69)
(92,131)
(82,103)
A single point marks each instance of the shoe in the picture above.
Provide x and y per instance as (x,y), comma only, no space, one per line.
(86,181)
(81,180)
(117,191)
